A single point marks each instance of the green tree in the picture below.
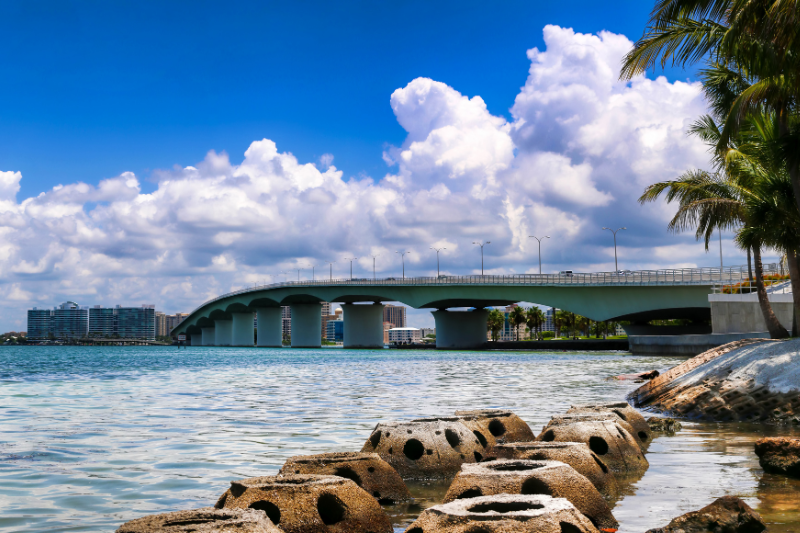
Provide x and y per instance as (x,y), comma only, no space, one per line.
(517,317)
(535,319)
(495,323)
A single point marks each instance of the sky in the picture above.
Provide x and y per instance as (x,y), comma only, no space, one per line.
(168,152)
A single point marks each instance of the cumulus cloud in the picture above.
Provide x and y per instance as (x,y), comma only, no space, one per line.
(574,156)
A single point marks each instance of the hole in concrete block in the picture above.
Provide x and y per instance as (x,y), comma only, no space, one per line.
(390,450)
(515,467)
(221,502)
(566,527)
(371,469)
(620,414)
(549,436)
(349,473)
(470,493)
(534,486)
(478,457)
(415,530)
(644,436)
(273,513)
(481,439)
(504,507)
(598,445)
(496,427)
(375,439)
(452,438)
(194,522)
(330,509)
(413,449)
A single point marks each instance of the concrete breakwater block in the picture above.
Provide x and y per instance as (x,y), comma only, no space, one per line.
(624,411)
(503,513)
(779,455)
(727,514)
(664,425)
(205,520)
(596,417)
(575,454)
(518,476)
(367,470)
(496,425)
(309,504)
(425,448)
(608,440)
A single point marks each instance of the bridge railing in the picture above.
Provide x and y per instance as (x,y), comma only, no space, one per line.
(678,276)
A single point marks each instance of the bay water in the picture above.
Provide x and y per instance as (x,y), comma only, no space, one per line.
(91,437)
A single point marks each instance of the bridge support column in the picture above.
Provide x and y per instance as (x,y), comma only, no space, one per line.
(208,336)
(242,331)
(363,325)
(306,325)
(270,327)
(223,331)
(460,330)
(195,340)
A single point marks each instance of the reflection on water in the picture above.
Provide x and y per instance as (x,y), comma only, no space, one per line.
(92,437)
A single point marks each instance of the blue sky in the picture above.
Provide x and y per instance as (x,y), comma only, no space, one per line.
(168,152)
(93,89)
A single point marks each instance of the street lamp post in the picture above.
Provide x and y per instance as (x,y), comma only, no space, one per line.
(351,259)
(403,258)
(539,240)
(298,272)
(437,258)
(373,264)
(331,264)
(616,266)
(482,244)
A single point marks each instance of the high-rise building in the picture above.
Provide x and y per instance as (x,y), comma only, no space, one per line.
(326,313)
(66,321)
(162,329)
(396,314)
(335,330)
(123,322)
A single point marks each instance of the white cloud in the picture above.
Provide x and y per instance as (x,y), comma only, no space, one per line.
(576,154)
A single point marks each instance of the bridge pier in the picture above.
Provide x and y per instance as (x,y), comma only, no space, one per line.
(270,328)
(208,336)
(242,332)
(363,325)
(460,330)
(195,340)
(223,331)
(306,325)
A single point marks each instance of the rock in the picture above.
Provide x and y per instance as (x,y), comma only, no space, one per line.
(309,504)
(427,448)
(519,476)
(367,470)
(753,380)
(663,425)
(641,376)
(726,515)
(779,455)
(624,411)
(496,425)
(610,441)
(503,513)
(599,416)
(575,454)
(205,520)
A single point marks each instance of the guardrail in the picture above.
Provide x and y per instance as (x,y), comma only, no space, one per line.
(681,276)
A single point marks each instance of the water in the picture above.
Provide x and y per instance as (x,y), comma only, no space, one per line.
(93,437)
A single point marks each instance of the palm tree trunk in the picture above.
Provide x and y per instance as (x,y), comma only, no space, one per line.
(793,260)
(776,330)
(749,266)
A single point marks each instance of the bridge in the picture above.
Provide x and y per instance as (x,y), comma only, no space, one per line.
(638,296)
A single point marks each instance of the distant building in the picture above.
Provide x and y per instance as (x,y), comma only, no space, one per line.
(396,314)
(174,320)
(123,322)
(286,322)
(161,324)
(66,321)
(427,331)
(326,315)
(404,335)
(386,327)
(335,330)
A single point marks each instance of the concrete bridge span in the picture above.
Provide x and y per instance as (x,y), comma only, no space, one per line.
(638,296)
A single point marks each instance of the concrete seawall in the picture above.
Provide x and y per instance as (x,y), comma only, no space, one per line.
(688,345)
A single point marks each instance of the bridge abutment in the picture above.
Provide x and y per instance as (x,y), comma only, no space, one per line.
(242,331)
(363,325)
(306,325)
(208,336)
(223,330)
(270,328)
(460,330)
(195,340)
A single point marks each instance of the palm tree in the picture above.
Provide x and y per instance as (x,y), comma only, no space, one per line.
(517,317)
(495,323)
(535,320)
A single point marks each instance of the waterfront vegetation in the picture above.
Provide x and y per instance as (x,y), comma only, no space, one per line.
(750,52)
